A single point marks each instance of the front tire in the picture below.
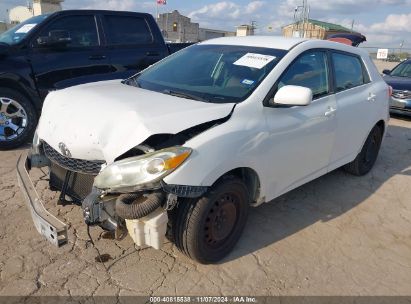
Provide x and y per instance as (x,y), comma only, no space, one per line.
(18,119)
(365,160)
(207,229)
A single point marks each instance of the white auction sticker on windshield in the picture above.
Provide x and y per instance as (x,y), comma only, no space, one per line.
(26,28)
(253,60)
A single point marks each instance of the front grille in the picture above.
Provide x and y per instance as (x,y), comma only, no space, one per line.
(78,185)
(72,164)
(401,94)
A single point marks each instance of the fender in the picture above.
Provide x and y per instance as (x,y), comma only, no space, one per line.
(369,131)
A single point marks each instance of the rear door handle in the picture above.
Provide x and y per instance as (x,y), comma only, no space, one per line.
(152,54)
(371,97)
(97,57)
(330,111)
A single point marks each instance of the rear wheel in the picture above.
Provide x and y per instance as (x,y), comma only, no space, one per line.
(365,160)
(207,229)
(18,119)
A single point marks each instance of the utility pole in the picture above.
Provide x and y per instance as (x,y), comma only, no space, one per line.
(301,16)
(401,46)
(253,26)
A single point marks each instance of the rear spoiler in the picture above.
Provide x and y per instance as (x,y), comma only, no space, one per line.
(353,39)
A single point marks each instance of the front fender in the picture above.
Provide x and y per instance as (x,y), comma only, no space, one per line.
(219,150)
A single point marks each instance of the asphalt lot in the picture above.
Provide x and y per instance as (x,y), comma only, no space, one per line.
(338,235)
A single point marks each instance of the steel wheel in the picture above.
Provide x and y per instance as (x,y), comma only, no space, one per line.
(365,160)
(13,119)
(207,229)
(221,219)
(372,148)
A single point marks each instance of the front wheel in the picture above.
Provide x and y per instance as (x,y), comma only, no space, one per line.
(207,229)
(365,160)
(18,119)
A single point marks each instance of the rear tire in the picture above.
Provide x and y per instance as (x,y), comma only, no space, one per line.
(365,160)
(18,119)
(206,229)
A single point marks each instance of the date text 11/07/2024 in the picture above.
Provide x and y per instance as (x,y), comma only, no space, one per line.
(203,299)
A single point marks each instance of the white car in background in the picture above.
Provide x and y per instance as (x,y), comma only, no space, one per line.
(186,146)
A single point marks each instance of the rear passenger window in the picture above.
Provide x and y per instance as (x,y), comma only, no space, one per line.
(310,71)
(349,72)
(127,30)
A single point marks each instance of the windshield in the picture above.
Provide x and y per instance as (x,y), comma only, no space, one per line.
(402,70)
(210,73)
(17,33)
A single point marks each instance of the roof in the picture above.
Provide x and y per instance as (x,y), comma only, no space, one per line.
(329,26)
(275,42)
(326,25)
(283,43)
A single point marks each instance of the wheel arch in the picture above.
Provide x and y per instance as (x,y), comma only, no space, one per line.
(14,85)
(250,178)
(382,124)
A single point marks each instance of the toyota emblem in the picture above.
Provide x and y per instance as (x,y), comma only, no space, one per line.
(64,150)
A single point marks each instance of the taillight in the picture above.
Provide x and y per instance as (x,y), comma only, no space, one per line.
(389,91)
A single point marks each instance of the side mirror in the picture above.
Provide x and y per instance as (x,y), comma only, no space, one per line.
(55,38)
(386,72)
(291,95)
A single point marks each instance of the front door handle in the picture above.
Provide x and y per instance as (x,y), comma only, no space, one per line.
(371,97)
(97,57)
(330,111)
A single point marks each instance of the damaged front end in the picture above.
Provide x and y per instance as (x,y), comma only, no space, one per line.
(127,195)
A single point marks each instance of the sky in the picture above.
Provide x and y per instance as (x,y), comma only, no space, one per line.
(385,23)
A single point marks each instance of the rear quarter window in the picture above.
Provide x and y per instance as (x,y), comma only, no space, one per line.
(349,71)
(127,30)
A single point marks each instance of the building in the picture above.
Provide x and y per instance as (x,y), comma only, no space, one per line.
(245,30)
(178,28)
(38,7)
(205,34)
(313,29)
(3,27)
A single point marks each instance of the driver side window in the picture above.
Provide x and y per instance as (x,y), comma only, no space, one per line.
(310,71)
(82,30)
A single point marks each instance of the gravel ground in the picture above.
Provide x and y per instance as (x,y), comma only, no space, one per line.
(338,235)
(382,65)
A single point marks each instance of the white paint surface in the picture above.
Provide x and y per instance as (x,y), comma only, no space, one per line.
(106,119)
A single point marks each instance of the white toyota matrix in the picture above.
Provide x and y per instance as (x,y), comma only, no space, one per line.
(185,147)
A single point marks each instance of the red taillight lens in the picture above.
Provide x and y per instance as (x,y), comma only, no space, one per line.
(389,91)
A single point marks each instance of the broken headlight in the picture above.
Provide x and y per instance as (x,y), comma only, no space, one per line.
(141,172)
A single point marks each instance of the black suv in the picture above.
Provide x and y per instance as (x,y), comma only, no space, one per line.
(67,48)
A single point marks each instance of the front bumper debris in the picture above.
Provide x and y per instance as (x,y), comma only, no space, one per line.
(46,224)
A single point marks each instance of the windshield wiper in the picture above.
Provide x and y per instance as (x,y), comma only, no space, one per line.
(185,95)
(132,81)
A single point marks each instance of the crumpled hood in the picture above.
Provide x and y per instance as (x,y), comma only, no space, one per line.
(103,120)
